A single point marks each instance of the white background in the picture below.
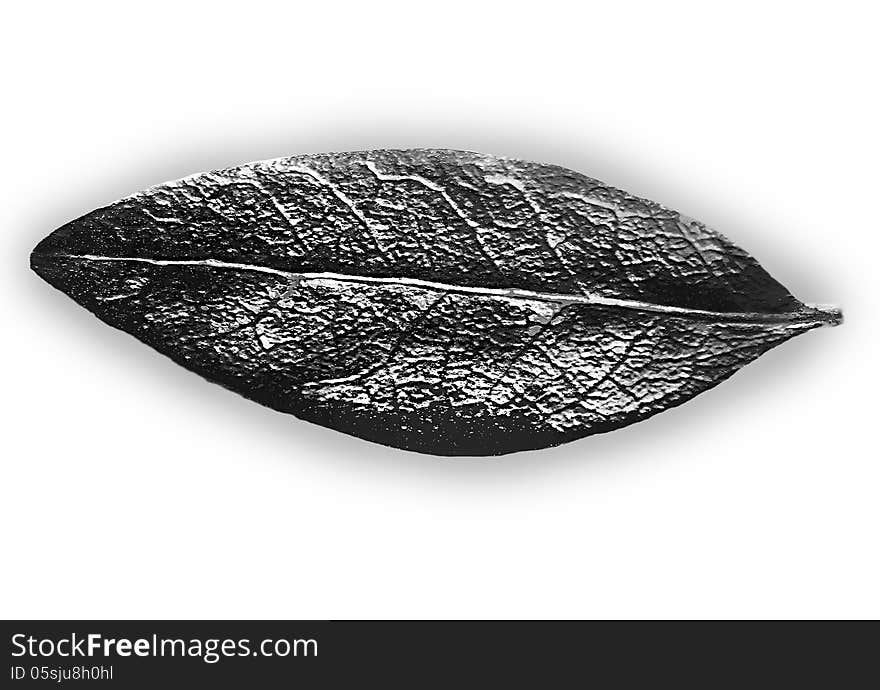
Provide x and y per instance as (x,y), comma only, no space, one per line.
(132,488)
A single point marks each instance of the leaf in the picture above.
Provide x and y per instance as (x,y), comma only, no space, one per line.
(439,301)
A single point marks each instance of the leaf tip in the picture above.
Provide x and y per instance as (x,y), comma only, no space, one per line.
(828,314)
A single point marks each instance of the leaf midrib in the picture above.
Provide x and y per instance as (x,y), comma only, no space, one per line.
(808,315)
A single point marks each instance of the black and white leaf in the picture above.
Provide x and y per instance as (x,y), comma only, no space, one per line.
(440,301)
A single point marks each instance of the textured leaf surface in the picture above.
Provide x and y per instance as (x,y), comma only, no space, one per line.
(439,301)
